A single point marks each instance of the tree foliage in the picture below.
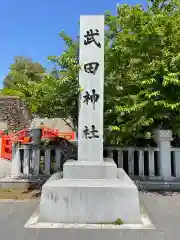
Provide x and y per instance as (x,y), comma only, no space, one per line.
(22,71)
(22,79)
(143,62)
(141,71)
(66,104)
(48,94)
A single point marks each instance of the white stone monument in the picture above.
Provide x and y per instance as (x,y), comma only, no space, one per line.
(92,189)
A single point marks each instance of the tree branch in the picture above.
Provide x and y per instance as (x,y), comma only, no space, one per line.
(68,124)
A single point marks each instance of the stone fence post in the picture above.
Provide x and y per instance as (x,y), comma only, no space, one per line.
(163,139)
(16,165)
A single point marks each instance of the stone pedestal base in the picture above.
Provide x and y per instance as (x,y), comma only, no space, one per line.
(90,200)
(90,169)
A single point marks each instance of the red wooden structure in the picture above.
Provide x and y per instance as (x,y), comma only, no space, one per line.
(21,136)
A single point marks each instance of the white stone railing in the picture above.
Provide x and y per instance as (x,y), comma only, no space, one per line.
(145,163)
(139,163)
(175,162)
(38,160)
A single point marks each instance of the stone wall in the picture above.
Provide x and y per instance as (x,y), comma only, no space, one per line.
(14,113)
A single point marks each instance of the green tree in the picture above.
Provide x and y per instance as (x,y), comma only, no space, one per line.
(22,79)
(22,71)
(142,82)
(64,102)
(143,62)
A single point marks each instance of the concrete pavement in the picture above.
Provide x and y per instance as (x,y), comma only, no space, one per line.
(164,211)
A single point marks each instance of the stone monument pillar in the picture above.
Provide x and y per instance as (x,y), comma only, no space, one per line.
(91,80)
(92,189)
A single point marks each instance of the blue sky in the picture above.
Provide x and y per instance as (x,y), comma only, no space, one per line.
(30,28)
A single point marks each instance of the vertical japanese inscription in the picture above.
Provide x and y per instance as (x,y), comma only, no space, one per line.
(90,37)
(91,80)
(90,133)
(91,68)
(92,98)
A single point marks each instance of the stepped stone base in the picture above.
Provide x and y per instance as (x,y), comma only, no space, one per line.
(90,200)
(90,169)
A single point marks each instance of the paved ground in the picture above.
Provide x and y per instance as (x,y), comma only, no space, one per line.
(164,211)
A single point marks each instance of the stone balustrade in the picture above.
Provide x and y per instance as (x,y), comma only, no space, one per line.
(38,160)
(160,163)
